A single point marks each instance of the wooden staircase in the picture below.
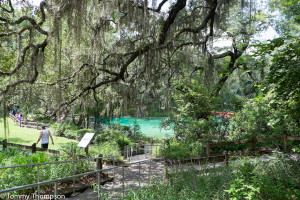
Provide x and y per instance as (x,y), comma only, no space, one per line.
(27,123)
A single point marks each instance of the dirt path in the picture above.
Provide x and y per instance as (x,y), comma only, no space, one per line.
(135,176)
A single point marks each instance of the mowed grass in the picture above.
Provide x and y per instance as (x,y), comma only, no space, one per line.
(28,136)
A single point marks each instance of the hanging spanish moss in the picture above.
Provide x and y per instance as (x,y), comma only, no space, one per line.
(118,47)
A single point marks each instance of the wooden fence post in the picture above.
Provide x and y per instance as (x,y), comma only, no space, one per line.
(208,149)
(284,142)
(4,144)
(87,150)
(100,162)
(33,148)
(254,143)
(225,153)
(167,175)
(37,125)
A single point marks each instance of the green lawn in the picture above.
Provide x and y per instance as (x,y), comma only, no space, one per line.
(28,136)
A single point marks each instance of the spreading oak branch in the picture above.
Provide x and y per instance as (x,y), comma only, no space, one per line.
(160,42)
(34,56)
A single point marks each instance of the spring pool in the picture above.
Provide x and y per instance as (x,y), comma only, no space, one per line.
(149,126)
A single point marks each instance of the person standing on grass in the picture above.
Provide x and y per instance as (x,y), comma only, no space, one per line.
(44,135)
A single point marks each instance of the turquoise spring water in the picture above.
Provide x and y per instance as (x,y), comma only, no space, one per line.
(149,126)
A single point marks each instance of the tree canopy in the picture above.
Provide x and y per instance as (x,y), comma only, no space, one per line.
(66,52)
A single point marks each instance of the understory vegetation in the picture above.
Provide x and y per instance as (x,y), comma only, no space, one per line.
(276,178)
(13,177)
(107,141)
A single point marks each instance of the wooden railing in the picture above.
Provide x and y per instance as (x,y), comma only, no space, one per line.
(26,123)
(253,141)
(33,147)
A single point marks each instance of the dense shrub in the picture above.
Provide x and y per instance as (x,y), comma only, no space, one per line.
(70,130)
(136,130)
(72,151)
(106,149)
(115,133)
(175,150)
(70,134)
(259,118)
(190,130)
(65,129)
(13,177)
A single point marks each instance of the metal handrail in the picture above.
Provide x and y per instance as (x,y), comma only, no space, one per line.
(143,145)
(98,171)
(206,157)
(129,149)
(70,177)
(54,162)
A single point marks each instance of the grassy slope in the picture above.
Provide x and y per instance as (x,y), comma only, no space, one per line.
(28,136)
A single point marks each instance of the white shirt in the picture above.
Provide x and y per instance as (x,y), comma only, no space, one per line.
(45,137)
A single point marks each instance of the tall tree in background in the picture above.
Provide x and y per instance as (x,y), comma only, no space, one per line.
(281,57)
